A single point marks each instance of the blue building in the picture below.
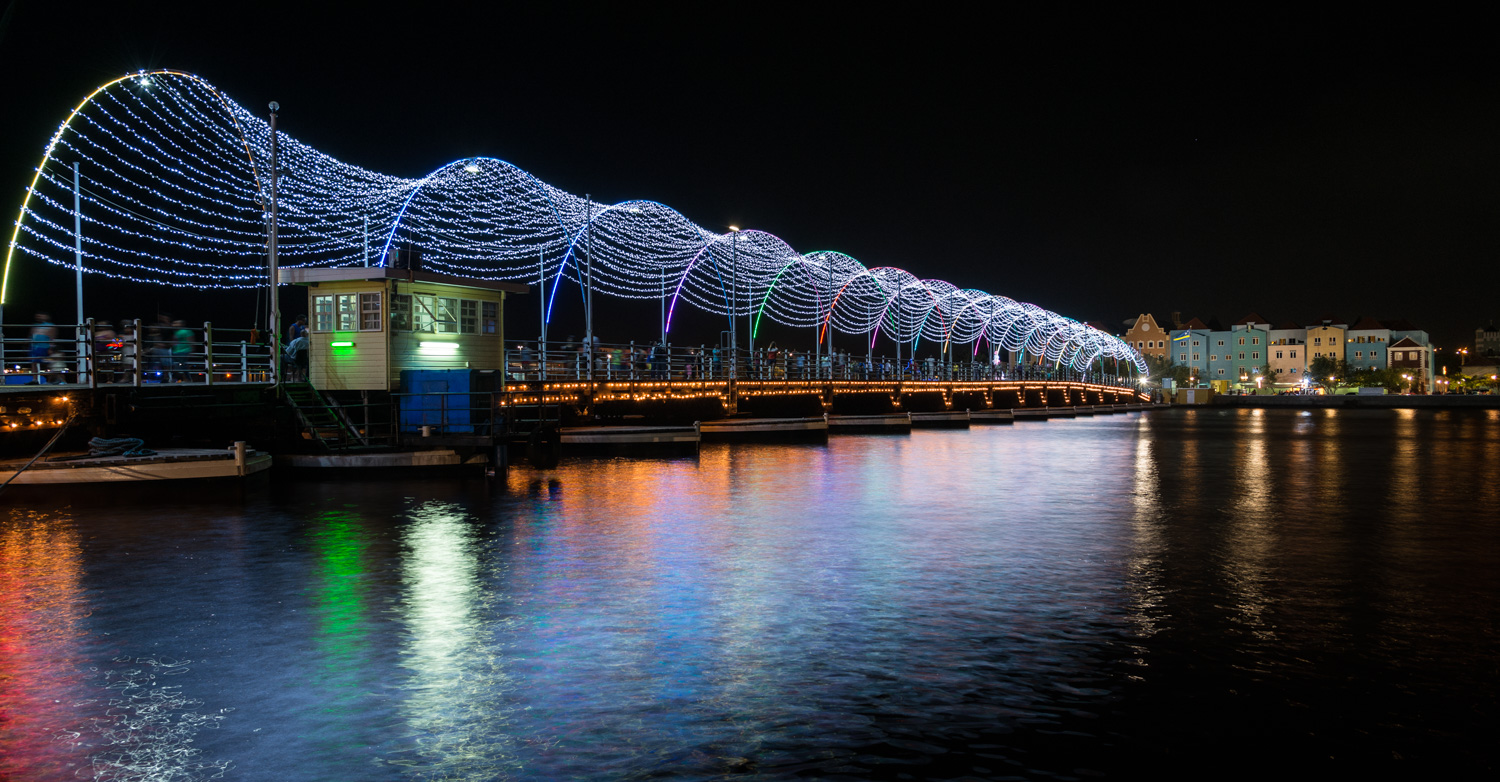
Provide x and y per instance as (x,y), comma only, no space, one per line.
(1189,348)
(1240,352)
(1365,344)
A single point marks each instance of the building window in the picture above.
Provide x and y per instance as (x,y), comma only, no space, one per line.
(423,313)
(1294,370)
(1242,340)
(468,317)
(1359,354)
(447,315)
(1255,355)
(323,313)
(1195,343)
(400,311)
(1221,343)
(1255,340)
(1197,356)
(1213,358)
(1318,341)
(489,312)
(1182,358)
(1242,356)
(1278,354)
(369,311)
(1294,354)
(348,313)
(1221,370)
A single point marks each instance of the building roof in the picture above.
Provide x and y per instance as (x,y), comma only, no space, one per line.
(1407,342)
(1367,323)
(1286,325)
(1329,320)
(1213,325)
(1250,319)
(305,275)
(1194,323)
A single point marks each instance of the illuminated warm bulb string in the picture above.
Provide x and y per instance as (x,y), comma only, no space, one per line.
(174,191)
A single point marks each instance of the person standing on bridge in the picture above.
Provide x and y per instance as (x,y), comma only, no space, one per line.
(41,345)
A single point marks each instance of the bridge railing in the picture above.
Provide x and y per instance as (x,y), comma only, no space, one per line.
(571,361)
(95,354)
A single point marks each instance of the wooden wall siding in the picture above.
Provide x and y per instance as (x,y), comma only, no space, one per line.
(475,351)
(363,367)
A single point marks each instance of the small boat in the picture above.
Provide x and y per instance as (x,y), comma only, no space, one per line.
(167,464)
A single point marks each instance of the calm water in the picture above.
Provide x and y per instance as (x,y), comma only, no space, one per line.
(1210,591)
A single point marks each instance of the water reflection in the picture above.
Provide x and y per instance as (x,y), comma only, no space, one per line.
(42,611)
(1037,601)
(457,690)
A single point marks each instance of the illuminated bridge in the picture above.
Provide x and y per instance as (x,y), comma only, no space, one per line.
(173,185)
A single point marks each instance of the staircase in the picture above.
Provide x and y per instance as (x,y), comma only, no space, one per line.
(320,422)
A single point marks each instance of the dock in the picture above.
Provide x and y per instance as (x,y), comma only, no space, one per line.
(884,423)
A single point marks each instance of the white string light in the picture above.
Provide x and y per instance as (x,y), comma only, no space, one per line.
(173,191)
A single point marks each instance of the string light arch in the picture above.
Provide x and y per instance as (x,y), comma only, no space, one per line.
(174,193)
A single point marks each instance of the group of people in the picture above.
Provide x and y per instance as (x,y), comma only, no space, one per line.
(165,347)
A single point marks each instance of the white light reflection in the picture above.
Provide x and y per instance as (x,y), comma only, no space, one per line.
(1150,542)
(456,692)
(1252,527)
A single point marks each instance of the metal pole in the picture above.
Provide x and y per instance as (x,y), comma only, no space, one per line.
(272,280)
(541,275)
(588,281)
(77,243)
(734,303)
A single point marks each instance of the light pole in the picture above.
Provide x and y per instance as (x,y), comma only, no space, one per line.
(734,301)
(272,276)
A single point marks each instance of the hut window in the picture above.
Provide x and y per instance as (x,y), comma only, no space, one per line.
(400,311)
(423,312)
(323,313)
(468,317)
(348,311)
(447,316)
(369,311)
(491,314)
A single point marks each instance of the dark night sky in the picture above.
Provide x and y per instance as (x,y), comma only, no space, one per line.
(1098,166)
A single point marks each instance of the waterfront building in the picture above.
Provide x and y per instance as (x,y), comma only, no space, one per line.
(1287,351)
(1365,344)
(1190,348)
(1415,359)
(367,324)
(1326,340)
(1147,336)
(1487,341)
(1247,355)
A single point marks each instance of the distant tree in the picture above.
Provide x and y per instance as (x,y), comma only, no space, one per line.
(1327,371)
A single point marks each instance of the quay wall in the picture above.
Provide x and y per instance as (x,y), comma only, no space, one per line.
(1387,402)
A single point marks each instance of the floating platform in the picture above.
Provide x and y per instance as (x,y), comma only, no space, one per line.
(1084,410)
(764,429)
(169,464)
(1030,413)
(992,416)
(946,419)
(885,423)
(630,438)
(1061,412)
(355,460)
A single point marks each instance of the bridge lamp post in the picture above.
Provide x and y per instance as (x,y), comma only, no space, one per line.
(734,305)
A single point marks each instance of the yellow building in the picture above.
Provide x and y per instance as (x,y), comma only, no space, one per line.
(367,324)
(1325,340)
